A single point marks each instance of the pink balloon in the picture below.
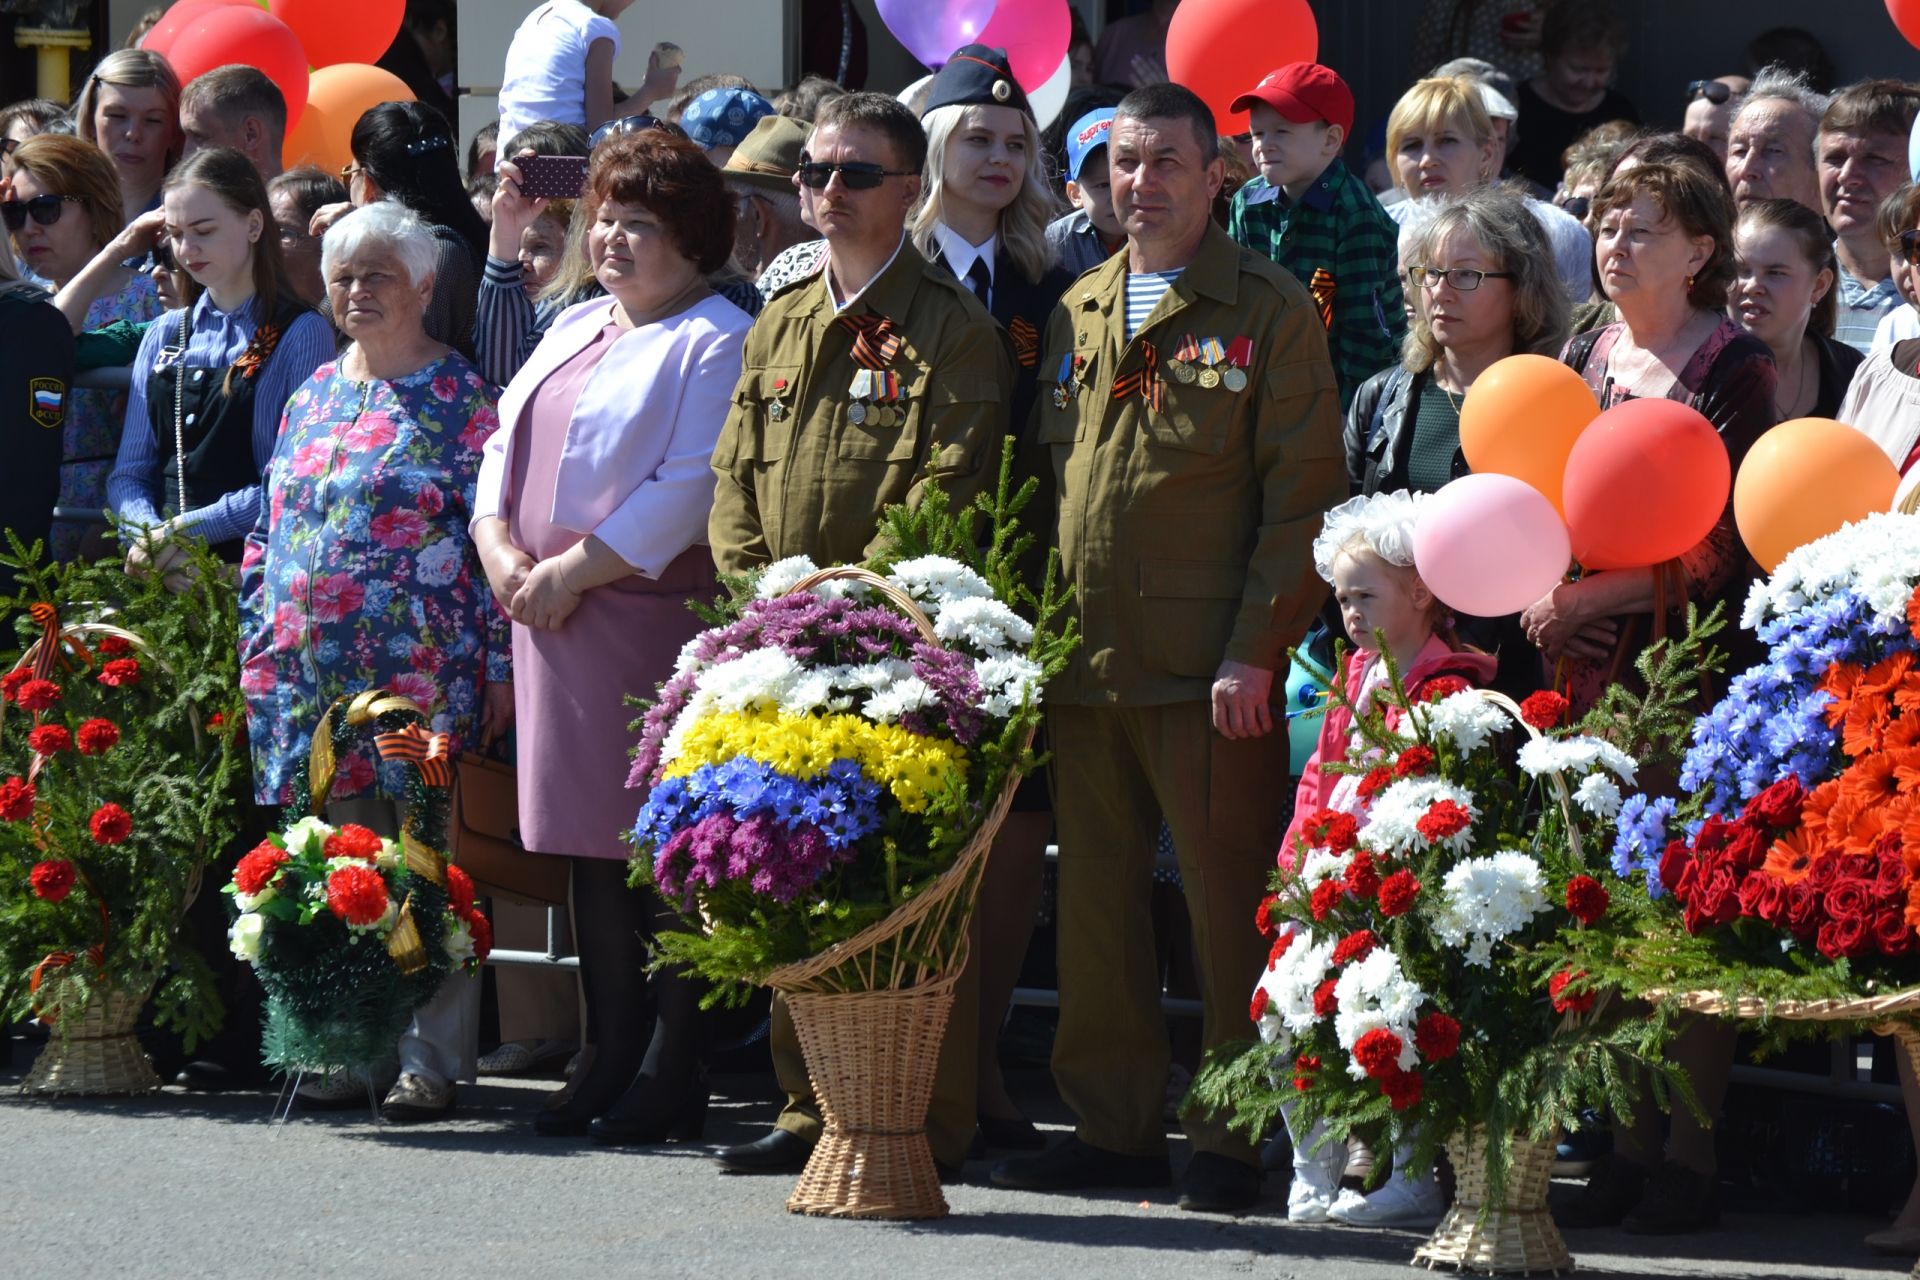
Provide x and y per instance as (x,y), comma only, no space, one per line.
(1034,33)
(1490,545)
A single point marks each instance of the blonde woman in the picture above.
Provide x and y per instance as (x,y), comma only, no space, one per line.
(1441,143)
(130,108)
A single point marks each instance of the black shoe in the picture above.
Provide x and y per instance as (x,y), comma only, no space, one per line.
(1014,1133)
(206,1076)
(778,1152)
(1219,1184)
(1610,1194)
(683,1122)
(1677,1201)
(1071,1164)
(950,1174)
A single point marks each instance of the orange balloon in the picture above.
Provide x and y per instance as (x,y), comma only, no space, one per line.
(1803,480)
(1520,419)
(337,96)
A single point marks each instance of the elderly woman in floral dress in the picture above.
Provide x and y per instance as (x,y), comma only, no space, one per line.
(360,574)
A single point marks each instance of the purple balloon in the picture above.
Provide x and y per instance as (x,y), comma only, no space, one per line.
(932,29)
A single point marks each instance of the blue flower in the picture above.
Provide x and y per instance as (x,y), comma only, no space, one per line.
(1642,836)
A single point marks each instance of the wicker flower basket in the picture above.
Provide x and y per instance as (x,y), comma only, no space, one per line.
(1513,1237)
(98,1053)
(870,1014)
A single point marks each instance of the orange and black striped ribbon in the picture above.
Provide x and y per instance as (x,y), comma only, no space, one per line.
(47,618)
(1026,342)
(416,745)
(1145,380)
(1322,289)
(875,344)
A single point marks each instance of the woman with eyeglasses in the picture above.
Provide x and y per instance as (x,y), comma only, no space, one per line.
(62,207)
(129,107)
(210,380)
(1784,295)
(295,197)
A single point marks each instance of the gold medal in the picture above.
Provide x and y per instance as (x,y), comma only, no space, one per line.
(1235,379)
(887,417)
(1209,378)
(857,412)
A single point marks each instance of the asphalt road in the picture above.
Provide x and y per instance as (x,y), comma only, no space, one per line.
(179,1185)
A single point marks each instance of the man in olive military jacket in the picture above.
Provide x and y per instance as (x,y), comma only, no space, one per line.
(1189,420)
(857,384)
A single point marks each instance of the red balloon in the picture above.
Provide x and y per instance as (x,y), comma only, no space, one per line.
(176,18)
(1646,481)
(250,36)
(1906,16)
(333,32)
(1222,48)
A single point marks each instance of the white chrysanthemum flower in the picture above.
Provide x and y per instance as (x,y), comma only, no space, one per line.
(902,696)
(1271,1026)
(1292,982)
(1484,900)
(458,940)
(1006,681)
(872,677)
(1466,717)
(757,679)
(1598,795)
(779,577)
(1392,823)
(1373,994)
(1578,755)
(1879,557)
(939,581)
(698,705)
(1322,865)
(307,829)
(246,936)
(984,623)
(807,692)
(688,659)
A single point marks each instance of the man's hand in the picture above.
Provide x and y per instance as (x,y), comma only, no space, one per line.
(1240,694)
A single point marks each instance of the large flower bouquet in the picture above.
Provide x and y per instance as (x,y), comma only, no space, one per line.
(120,779)
(1787,870)
(826,749)
(350,932)
(1410,991)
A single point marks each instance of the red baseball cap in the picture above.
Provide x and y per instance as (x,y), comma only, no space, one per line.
(1301,92)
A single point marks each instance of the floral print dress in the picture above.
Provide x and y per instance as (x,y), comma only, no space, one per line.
(360,573)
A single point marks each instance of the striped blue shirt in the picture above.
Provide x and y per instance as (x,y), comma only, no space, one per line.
(215,339)
(1144,291)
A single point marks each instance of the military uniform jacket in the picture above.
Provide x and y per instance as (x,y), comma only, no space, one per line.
(796,475)
(1185,517)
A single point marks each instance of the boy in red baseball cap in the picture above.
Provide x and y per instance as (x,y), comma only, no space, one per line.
(1311,215)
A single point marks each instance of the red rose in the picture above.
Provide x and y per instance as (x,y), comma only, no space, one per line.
(1262,915)
(351,841)
(1718,897)
(1413,762)
(1778,806)
(1442,819)
(1673,863)
(357,895)
(1324,1005)
(1402,1088)
(459,891)
(97,737)
(1890,882)
(120,673)
(1587,899)
(1436,1036)
(1848,899)
(1803,908)
(1543,708)
(1280,945)
(1363,880)
(1845,939)
(256,870)
(1442,687)
(1747,849)
(1713,836)
(1396,893)
(52,881)
(16,800)
(1577,1002)
(1332,829)
(1377,780)
(110,824)
(10,683)
(113,646)
(1892,934)
(1354,947)
(1258,1009)
(50,739)
(1378,1051)
(1326,896)
(482,930)
(1825,873)
(1764,898)
(37,695)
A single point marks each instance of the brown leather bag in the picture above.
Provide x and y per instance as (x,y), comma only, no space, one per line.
(483,837)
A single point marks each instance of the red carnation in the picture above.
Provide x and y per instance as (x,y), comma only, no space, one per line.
(1578,1002)
(1332,829)
(1262,916)
(10,683)
(1543,709)
(357,895)
(52,881)
(257,869)
(1436,1036)
(1402,1088)
(459,891)
(97,737)
(351,841)
(1258,1009)
(1303,1083)
(1396,893)
(482,930)
(1326,896)
(1378,779)
(113,646)
(1778,806)
(120,673)
(1587,899)
(1280,945)
(1378,1051)
(50,739)
(1308,1062)
(1324,1005)
(1363,880)
(1442,687)
(16,800)
(1443,818)
(1354,947)
(38,695)
(1413,762)
(110,824)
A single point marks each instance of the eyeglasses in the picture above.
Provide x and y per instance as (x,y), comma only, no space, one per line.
(1578,206)
(291,237)
(857,174)
(7,145)
(1462,279)
(633,124)
(162,255)
(349,169)
(44,210)
(1910,247)
(1712,90)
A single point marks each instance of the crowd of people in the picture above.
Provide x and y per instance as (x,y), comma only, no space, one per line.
(480,443)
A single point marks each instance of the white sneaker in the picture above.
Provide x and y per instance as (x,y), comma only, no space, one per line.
(1316,1183)
(1403,1202)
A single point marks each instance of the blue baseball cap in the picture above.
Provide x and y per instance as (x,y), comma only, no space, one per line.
(1085,136)
(724,117)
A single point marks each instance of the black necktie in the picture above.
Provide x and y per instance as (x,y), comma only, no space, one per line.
(980,280)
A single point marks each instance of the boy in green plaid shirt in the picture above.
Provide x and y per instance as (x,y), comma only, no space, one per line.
(1311,215)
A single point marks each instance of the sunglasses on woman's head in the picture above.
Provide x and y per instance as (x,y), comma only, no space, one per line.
(858,174)
(1910,247)
(633,124)
(1712,90)
(44,210)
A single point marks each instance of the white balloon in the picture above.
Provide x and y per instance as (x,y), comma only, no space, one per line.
(1051,98)
(906,95)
